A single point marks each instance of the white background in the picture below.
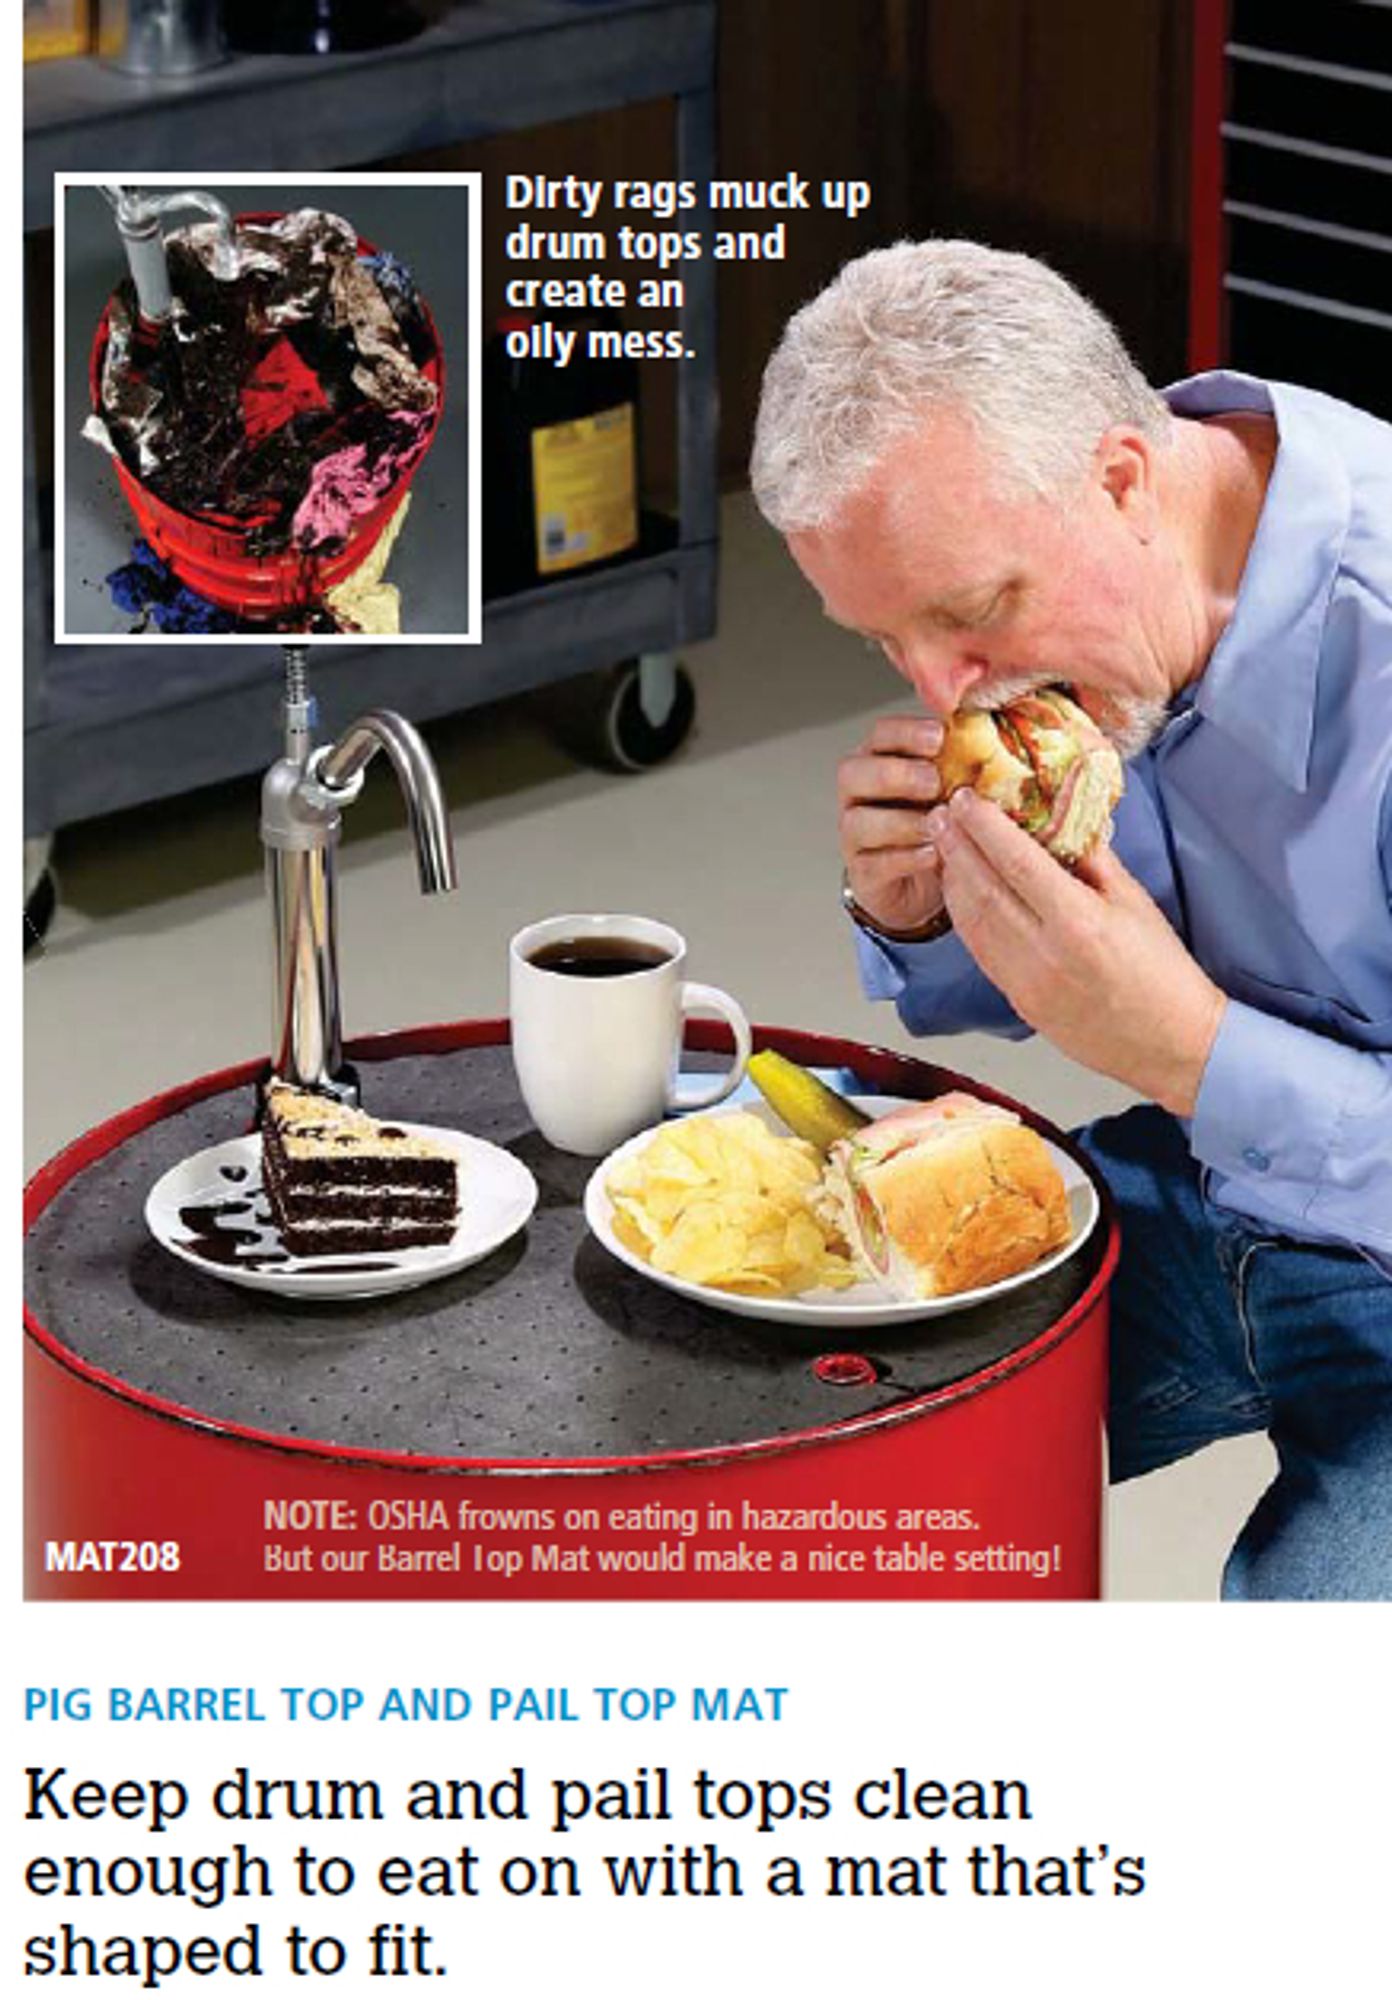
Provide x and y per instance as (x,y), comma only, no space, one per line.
(1242,1750)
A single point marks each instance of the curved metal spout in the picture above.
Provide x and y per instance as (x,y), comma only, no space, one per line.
(302,799)
(138,214)
(338,769)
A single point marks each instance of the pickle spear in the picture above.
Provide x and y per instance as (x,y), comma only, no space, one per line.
(807,1106)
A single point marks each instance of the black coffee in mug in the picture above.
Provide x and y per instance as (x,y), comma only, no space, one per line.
(598,957)
(598,1003)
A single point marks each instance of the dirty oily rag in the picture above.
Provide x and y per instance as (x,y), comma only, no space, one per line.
(286,399)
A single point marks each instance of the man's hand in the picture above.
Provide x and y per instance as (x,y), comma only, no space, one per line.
(1087,960)
(886,789)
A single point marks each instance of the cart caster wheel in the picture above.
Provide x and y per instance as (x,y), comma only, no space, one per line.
(630,738)
(40,893)
(625,718)
(39,906)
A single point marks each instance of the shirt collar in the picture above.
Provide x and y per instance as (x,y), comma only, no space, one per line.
(1261,680)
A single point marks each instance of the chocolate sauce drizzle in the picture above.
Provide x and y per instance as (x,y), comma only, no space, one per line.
(218,1242)
(218,1239)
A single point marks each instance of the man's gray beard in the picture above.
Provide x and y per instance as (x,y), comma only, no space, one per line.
(1129,724)
(1000,694)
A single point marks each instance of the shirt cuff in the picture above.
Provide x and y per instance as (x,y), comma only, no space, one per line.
(887,969)
(1270,1104)
(936,986)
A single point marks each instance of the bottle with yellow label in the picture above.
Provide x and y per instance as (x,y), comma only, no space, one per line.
(56,28)
(560,449)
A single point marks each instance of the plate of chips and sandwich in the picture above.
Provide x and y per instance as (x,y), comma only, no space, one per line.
(914,1210)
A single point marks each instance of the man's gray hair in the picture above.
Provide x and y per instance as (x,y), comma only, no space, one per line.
(1039,372)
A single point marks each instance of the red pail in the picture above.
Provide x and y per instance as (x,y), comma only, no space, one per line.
(209,553)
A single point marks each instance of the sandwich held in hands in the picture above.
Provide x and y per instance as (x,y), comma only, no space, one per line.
(1041,759)
(1044,762)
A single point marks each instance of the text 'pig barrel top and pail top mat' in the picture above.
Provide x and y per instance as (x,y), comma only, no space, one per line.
(545,1423)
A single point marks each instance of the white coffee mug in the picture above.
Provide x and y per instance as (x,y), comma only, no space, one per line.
(597,1010)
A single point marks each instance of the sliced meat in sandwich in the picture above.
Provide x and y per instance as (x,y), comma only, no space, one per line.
(1044,762)
(947,1196)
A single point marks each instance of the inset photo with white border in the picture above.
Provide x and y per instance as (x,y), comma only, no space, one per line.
(267,395)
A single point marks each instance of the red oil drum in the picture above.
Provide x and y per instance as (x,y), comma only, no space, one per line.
(209,552)
(185,1440)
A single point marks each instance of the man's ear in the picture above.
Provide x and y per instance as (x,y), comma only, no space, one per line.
(1124,466)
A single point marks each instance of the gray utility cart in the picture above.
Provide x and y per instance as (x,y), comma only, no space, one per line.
(109,727)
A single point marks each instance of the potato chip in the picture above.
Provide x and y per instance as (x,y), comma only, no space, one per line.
(723,1201)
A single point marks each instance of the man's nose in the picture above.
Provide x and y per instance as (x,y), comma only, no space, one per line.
(942,673)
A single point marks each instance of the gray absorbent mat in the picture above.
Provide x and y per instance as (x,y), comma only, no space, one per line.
(547,1350)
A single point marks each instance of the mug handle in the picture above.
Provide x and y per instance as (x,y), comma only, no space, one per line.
(693,996)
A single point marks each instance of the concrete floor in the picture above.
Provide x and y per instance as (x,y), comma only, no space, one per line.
(156,966)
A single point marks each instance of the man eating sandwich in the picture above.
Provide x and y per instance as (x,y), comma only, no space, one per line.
(972,474)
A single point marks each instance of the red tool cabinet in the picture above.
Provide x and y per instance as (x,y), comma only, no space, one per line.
(1291,238)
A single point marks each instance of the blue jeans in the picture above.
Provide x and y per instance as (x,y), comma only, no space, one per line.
(1220,1327)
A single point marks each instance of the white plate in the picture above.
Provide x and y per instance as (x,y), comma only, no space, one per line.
(863,1304)
(496,1196)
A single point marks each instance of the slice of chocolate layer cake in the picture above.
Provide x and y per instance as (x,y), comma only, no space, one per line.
(339,1182)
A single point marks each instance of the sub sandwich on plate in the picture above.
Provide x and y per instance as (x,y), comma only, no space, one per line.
(947,1196)
(1044,762)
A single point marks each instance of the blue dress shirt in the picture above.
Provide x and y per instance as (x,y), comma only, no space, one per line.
(1260,820)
